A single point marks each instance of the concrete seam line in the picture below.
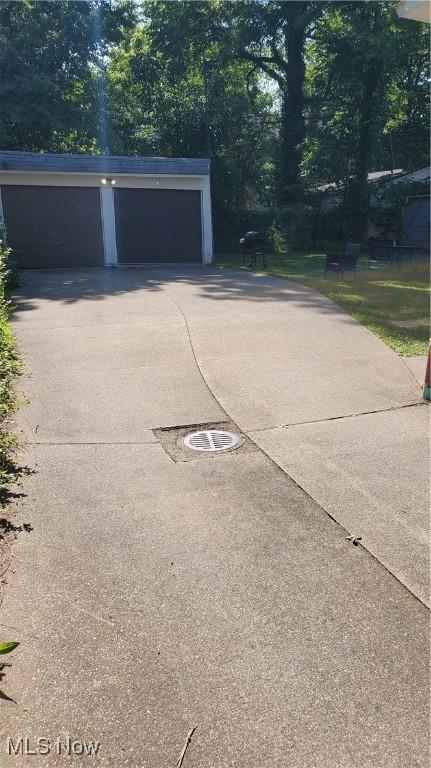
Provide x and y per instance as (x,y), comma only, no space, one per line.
(95,442)
(192,347)
(346,530)
(411,372)
(417,404)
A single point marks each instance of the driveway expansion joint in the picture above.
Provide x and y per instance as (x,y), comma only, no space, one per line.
(418,403)
(351,536)
(193,351)
(91,442)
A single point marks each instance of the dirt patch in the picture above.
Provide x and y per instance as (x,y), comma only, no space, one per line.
(409,323)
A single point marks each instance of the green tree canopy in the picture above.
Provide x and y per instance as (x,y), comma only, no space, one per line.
(49,57)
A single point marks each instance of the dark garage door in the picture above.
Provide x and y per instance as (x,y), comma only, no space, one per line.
(50,227)
(155,225)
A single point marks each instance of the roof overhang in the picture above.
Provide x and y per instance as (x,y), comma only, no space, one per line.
(44,162)
(418,10)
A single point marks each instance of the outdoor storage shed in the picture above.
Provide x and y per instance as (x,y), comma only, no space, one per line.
(416,221)
(101,210)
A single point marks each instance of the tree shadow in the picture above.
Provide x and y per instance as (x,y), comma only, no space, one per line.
(71,286)
(6,526)
(11,474)
(217,284)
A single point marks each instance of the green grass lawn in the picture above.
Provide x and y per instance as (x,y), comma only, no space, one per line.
(378,299)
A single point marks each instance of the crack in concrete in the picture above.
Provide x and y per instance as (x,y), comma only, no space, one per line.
(94,442)
(175,303)
(418,403)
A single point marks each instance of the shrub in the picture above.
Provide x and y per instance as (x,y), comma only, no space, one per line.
(297,226)
(230,226)
(9,368)
(300,227)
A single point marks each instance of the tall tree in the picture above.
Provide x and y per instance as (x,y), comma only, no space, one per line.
(49,56)
(174,88)
(267,36)
(271,36)
(370,115)
(367,86)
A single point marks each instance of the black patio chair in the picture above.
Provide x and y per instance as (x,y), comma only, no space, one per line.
(346,261)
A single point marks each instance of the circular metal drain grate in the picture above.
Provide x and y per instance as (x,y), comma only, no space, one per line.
(213,440)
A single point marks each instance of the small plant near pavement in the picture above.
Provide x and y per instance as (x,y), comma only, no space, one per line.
(10,367)
(8,647)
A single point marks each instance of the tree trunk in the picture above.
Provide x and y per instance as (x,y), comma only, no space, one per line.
(292,115)
(358,195)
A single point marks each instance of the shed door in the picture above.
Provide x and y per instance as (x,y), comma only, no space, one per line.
(158,225)
(49,227)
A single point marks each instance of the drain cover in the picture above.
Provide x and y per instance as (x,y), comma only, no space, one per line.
(213,440)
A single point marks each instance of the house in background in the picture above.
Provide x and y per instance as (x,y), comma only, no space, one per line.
(415,219)
(416,214)
(415,228)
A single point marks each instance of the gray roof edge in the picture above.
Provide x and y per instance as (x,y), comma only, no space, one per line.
(69,163)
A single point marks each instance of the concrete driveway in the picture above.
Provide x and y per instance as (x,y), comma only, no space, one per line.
(155,595)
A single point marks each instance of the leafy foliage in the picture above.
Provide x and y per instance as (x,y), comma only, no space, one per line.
(8,647)
(49,54)
(9,368)
(368,88)
(187,96)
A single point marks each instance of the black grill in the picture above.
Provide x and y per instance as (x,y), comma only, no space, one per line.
(252,244)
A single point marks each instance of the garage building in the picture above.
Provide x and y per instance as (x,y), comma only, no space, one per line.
(102,210)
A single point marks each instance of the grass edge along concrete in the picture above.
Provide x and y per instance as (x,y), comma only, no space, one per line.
(392,303)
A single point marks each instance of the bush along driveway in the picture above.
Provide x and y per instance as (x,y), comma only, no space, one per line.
(10,471)
(393,304)
(9,369)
